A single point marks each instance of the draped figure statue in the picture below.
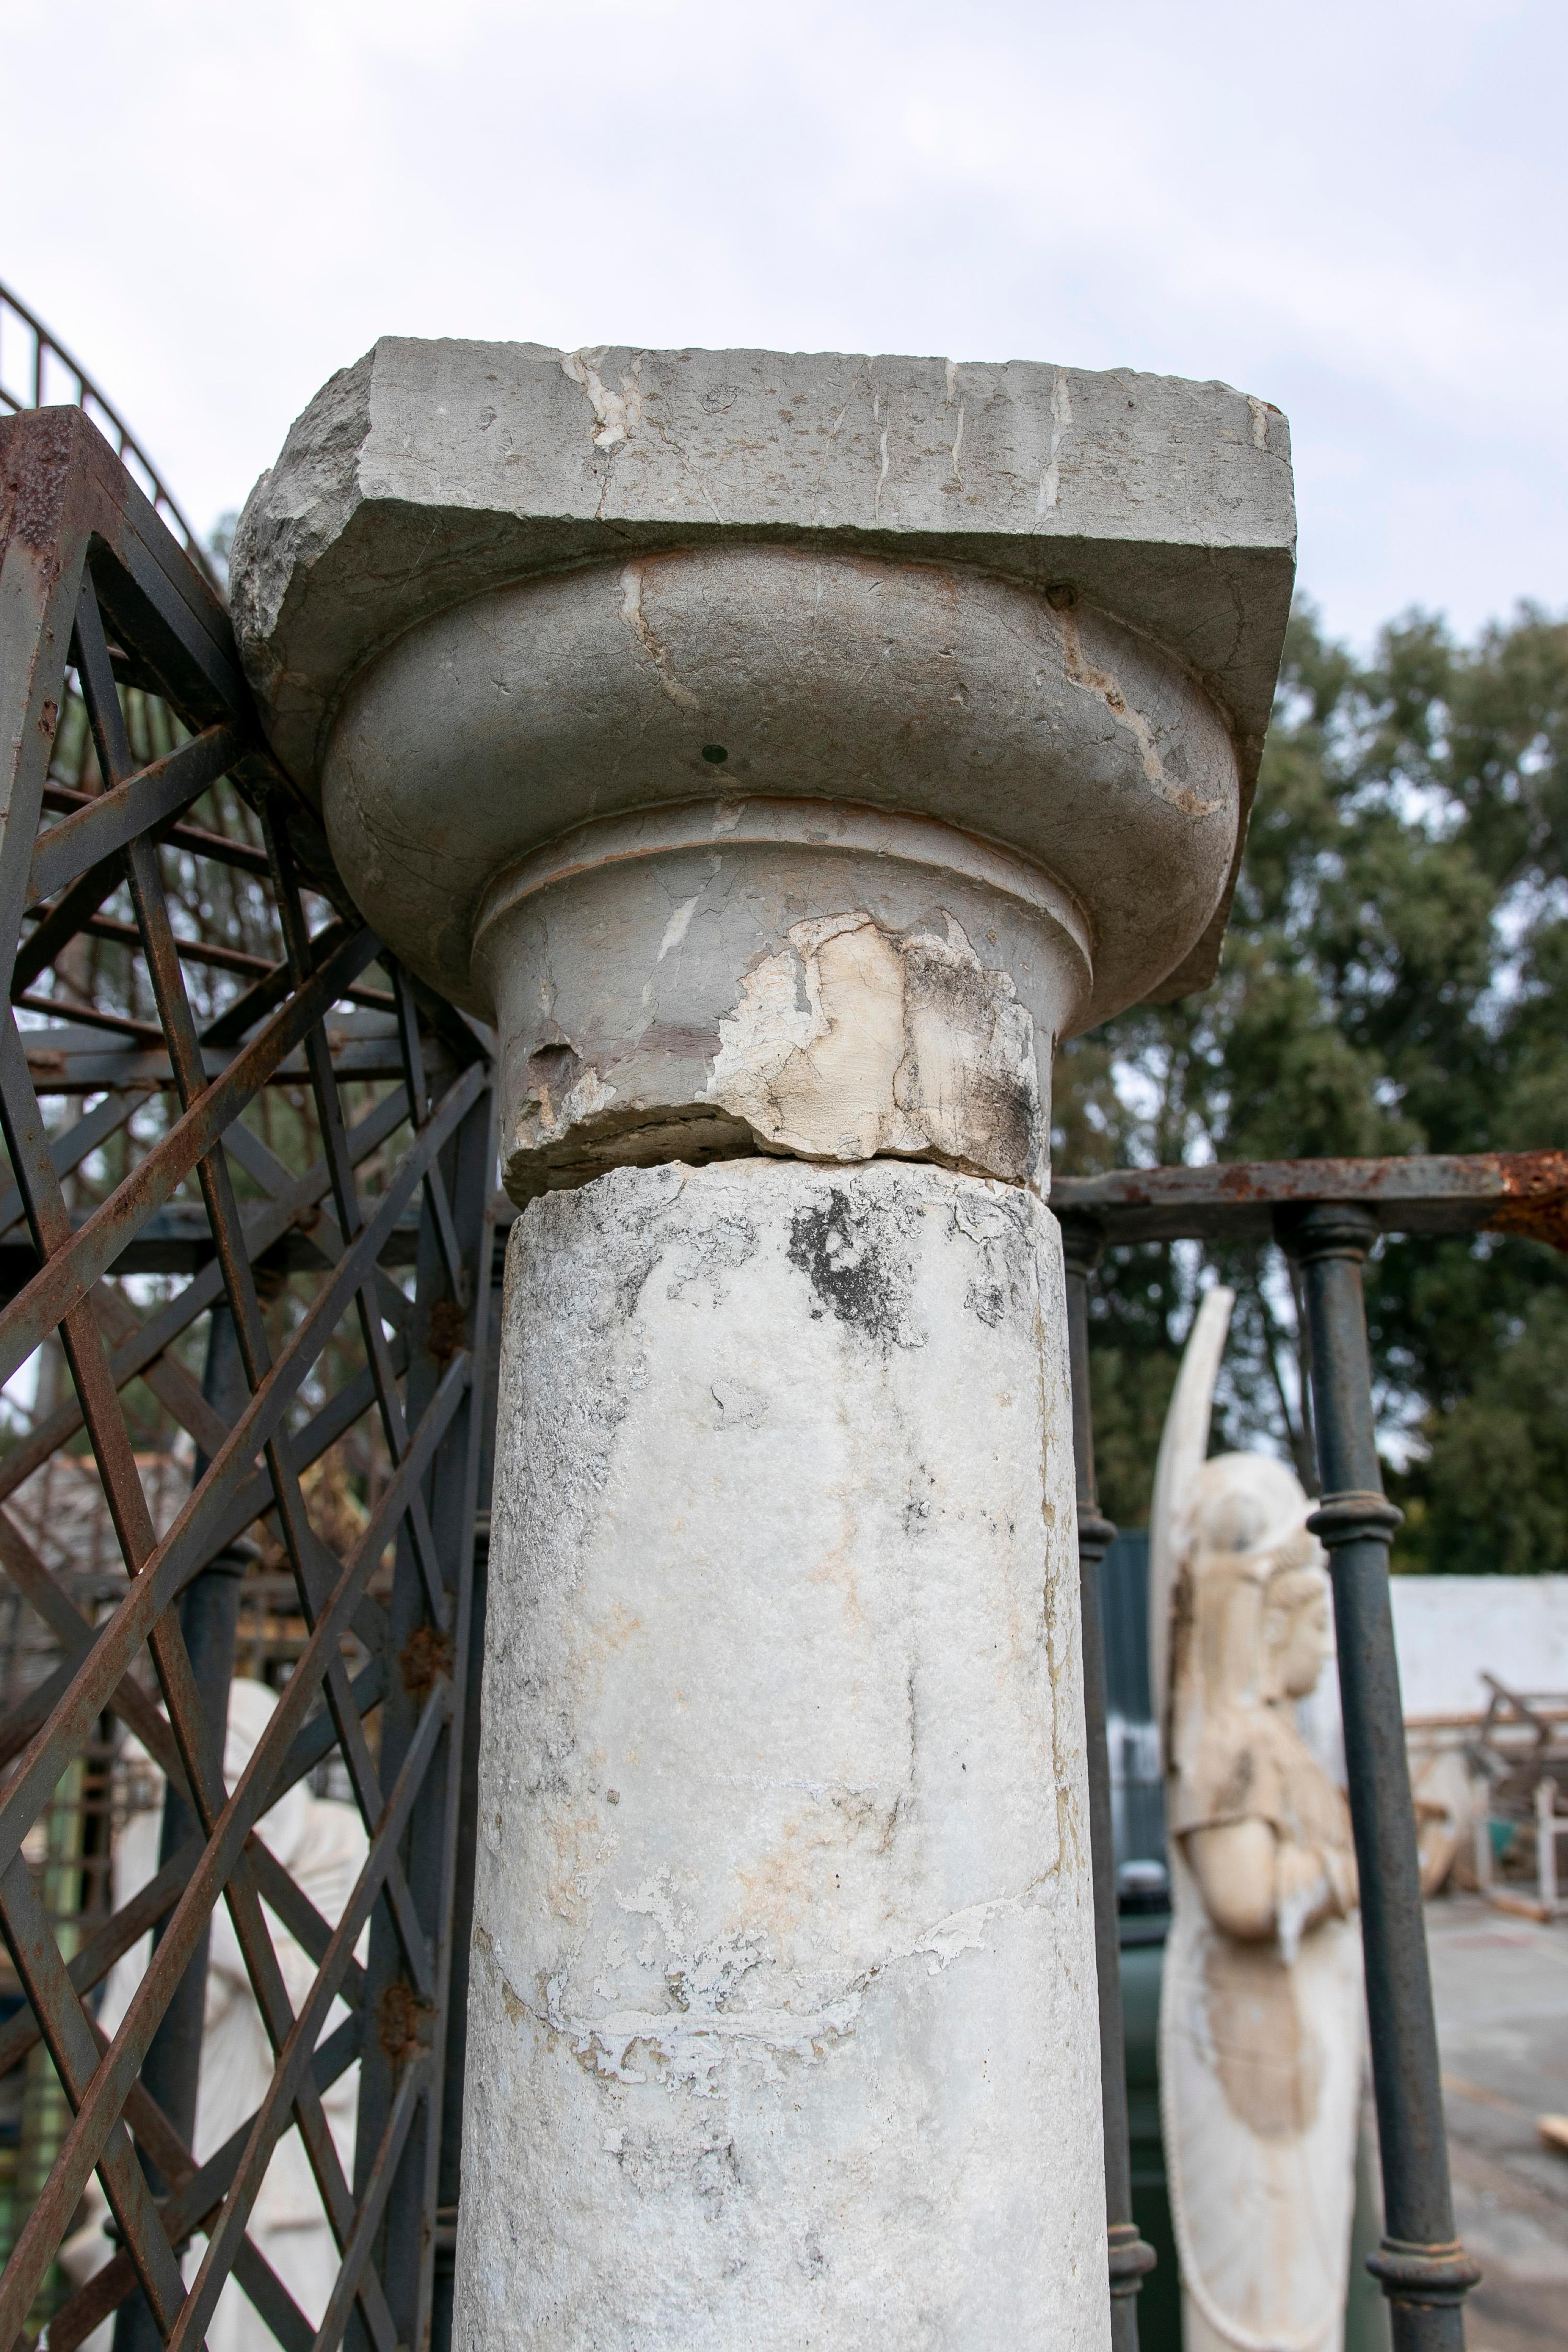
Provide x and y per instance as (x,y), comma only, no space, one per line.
(1261,2007)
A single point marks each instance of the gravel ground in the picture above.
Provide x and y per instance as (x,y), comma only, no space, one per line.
(1501,1987)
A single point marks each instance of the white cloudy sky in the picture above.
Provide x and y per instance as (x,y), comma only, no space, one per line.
(1353,208)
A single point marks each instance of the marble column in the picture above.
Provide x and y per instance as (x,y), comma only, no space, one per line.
(784,2028)
(784,754)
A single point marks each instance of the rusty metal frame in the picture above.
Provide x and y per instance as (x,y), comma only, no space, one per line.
(1523,1192)
(91,582)
(48,348)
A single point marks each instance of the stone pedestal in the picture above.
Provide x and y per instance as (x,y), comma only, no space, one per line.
(785,754)
(783,2024)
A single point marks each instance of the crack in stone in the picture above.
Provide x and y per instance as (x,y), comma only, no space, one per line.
(657,651)
(1082,672)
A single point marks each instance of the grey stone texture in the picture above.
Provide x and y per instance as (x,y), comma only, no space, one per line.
(783,2027)
(491,591)
(919,688)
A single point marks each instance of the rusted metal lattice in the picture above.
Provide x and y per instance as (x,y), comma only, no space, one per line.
(36,368)
(250,1177)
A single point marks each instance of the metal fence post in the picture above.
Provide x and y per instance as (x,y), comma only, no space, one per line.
(1130,2258)
(1421,2266)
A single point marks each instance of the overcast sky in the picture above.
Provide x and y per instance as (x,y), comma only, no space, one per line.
(1356,211)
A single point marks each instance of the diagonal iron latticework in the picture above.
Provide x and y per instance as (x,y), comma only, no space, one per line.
(154,1160)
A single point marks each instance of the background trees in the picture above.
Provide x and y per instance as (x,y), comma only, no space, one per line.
(1391,982)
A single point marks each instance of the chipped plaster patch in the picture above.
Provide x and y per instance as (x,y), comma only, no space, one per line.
(549,1111)
(680,923)
(1061,425)
(684,2046)
(855,1042)
(616,414)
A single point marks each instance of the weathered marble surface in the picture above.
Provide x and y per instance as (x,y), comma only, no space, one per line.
(678,1000)
(783,2022)
(430,471)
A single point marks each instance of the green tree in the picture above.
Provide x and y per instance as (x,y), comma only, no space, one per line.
(1389,982)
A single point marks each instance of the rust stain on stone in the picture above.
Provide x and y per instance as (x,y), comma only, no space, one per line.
(517,2009)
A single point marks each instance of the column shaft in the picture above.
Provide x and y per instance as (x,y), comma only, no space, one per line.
(782,2020)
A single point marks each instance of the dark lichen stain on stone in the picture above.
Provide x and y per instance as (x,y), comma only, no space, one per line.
(999,1112)
(837,1253)
(987,1300)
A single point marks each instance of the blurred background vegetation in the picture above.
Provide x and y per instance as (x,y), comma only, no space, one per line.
(1392,982)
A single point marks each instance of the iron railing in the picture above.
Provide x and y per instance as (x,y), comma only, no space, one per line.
(291,1269)
(1326,1214)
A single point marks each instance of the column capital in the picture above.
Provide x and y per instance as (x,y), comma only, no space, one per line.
(783,751)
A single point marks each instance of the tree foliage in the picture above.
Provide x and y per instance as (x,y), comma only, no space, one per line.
(1390,984)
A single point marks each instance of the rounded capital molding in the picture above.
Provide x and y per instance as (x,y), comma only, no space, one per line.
(830,827)
(1096,767)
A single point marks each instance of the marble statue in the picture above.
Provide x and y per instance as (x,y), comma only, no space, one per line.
(1261,2008)
(322,1845)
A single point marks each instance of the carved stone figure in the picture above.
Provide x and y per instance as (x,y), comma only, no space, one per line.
(1261,2007)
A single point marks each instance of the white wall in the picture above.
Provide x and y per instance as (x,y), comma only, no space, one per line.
(1451,1629)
